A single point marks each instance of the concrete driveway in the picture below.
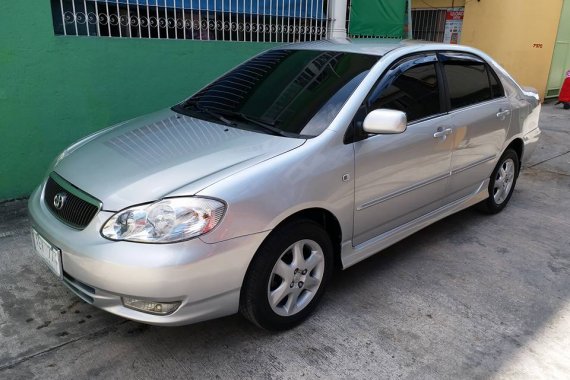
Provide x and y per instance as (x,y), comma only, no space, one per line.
(472,296)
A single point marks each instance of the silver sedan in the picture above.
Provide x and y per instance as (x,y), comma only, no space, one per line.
(246,196)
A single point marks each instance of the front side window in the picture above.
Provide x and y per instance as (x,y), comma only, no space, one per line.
(468,82)
(414,92)
(290,92)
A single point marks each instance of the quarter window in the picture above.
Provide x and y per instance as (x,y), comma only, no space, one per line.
(468,83)
(414,92)
(498,91)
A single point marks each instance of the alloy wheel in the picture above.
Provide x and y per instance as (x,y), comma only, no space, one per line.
(504,181)
(296,277)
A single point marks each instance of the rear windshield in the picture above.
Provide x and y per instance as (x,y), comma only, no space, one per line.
(291,92)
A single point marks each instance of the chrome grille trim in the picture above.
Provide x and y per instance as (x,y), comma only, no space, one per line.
(79,207)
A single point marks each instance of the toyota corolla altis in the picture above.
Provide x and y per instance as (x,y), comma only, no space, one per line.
(246,196)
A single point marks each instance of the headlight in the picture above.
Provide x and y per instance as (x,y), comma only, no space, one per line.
(166,221)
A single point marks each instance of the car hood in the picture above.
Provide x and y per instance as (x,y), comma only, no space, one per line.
(147,158)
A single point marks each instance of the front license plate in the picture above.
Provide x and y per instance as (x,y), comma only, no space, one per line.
(50,254)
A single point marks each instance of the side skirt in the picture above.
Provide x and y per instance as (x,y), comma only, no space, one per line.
(351,255)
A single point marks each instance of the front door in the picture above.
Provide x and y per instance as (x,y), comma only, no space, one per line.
(403,176)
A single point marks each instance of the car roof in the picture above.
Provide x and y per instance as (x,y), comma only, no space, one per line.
(383,46)
(372,46)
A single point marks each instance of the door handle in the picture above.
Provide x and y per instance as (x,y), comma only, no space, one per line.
(442,133)
(503,114)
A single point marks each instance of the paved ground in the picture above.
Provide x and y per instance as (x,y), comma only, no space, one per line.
(469,297)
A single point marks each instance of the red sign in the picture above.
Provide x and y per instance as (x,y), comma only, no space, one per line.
(455,15)
(453,25)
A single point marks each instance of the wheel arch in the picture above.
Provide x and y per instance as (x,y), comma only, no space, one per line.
(324,218)
(518,146)
(327,220)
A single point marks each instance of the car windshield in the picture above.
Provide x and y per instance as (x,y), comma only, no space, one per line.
(294,93)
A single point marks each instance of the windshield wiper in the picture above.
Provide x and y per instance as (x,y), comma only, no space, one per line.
(228,116)
(205,110)
(214,115)
(266,126)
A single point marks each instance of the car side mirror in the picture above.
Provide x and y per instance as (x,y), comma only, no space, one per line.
(384,121)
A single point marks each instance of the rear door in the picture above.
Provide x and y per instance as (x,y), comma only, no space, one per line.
(479,115)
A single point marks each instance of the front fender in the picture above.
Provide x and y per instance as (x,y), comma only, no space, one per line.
(262,196)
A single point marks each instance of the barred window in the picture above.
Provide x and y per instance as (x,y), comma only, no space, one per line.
(428,24)
(226,20)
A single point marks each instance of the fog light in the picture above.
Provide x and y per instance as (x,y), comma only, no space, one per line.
(151,307)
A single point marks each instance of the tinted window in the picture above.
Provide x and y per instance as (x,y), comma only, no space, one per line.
(414,92)
(295,91)
(496,86)
(468,83)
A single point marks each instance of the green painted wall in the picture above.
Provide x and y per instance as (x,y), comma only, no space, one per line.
(54,89)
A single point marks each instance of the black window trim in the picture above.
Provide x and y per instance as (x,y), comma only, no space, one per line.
(490,73)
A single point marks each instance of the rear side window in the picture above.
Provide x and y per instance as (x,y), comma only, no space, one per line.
(414,92)
(468,83)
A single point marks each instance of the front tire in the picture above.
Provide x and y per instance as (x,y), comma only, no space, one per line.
(502,183)
(287,276)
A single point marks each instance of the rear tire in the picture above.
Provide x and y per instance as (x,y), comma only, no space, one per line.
(502,183)
(287,276)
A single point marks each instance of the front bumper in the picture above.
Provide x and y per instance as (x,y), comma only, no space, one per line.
(206,278)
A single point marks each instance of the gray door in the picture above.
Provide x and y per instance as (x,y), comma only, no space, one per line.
(561,57)
(479,115)
(401,177)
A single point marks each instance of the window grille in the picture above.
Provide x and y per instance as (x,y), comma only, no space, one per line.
(225,20)
(428,24)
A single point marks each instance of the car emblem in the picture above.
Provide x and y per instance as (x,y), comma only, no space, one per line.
(59,200)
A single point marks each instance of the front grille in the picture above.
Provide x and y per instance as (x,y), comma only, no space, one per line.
(73,206)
